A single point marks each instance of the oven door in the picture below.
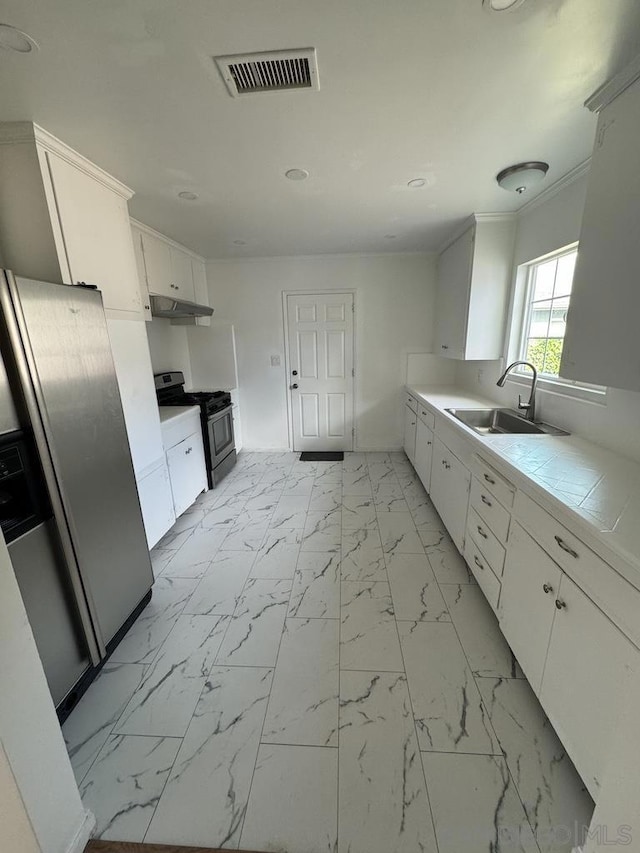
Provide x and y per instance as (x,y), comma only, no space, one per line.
(221,441)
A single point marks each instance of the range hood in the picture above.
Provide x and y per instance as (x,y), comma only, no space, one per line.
(177,309)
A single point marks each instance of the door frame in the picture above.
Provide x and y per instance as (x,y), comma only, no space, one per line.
(287,356)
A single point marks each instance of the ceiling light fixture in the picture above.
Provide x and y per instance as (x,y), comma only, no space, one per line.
(416,183)
(522,176)
(297,174)
(501,5)
(11,38)
(187,195)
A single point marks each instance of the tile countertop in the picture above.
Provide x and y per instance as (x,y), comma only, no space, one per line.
(176,413)
(593,491)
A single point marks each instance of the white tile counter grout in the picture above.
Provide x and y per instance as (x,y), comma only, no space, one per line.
(588,488)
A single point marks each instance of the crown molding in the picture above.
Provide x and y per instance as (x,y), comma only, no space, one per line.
(562,183)
(610,90)
(17,132)
(160,236)
(475,219)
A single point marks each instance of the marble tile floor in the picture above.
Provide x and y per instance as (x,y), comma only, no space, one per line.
(318,672)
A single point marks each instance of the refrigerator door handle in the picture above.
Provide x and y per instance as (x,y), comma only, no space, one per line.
(17,333)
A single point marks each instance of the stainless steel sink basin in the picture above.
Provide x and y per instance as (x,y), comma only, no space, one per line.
(505,421)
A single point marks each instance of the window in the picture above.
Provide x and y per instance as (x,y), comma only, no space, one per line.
(548,294)
(541,303)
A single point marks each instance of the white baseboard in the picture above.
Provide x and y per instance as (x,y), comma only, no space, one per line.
(83,834)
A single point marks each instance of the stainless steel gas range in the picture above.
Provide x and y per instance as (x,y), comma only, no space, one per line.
(216,417)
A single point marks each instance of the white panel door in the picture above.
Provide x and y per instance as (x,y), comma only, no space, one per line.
(320,330)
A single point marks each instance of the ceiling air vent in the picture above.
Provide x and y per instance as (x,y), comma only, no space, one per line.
(271,71)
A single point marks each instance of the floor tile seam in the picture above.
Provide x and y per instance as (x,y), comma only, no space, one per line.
(468,662)
(264,719)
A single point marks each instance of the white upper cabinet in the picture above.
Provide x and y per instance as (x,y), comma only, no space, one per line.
(157,261)
(142,272)
(201,289)
(64,219)
(601,340)
(181,275)
(474,277)
(168,269)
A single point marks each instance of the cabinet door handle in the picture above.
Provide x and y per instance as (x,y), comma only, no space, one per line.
(563,545)
(485,500)
(481,532)
(477,562)
(489,479)
(188,450)
(547,588)
(560,604)
(444,346)
(294,386)
(428,444)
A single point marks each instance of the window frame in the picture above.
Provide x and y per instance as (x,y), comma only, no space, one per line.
(521,308)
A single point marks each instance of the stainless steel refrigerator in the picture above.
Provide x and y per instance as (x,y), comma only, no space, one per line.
(81,561)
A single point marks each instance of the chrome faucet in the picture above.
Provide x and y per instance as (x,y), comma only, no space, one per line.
(530,407)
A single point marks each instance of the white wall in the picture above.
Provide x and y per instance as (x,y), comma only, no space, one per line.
(31,739)
(169,347)
(545,228)
(212,351)
(394,317)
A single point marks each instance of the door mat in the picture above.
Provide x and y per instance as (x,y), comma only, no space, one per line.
(329,456)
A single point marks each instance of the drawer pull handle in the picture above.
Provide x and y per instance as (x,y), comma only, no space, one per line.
(428,444)
(444,346)
(485,500)
(489,479)
(547,588)
(477,562)
(563,545)
(560,604)
(481,532)
(188,450)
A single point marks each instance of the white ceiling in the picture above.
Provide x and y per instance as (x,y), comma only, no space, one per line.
(438,89)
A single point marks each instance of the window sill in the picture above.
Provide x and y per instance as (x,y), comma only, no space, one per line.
(597,396)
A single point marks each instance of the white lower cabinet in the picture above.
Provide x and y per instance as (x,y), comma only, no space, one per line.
(423,453)
(450,483)
(588,662)
(410,420)
(530,584)
(154,490)
(187,471)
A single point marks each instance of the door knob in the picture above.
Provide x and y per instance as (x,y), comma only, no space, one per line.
(295,385)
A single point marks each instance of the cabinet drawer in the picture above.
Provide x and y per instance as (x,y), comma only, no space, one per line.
(496,483)
(177,429)
(492,549)
(490,509)
(487,581)
(609,590)
(411,402)
(427,417)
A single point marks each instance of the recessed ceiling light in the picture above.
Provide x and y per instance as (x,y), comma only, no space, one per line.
(389,236)
(239,242)
(416,182)
(187,195)
(297,174)
(14,39)
(522,176)
(502,5)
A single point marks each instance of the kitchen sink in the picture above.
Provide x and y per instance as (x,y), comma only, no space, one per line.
(502,421)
